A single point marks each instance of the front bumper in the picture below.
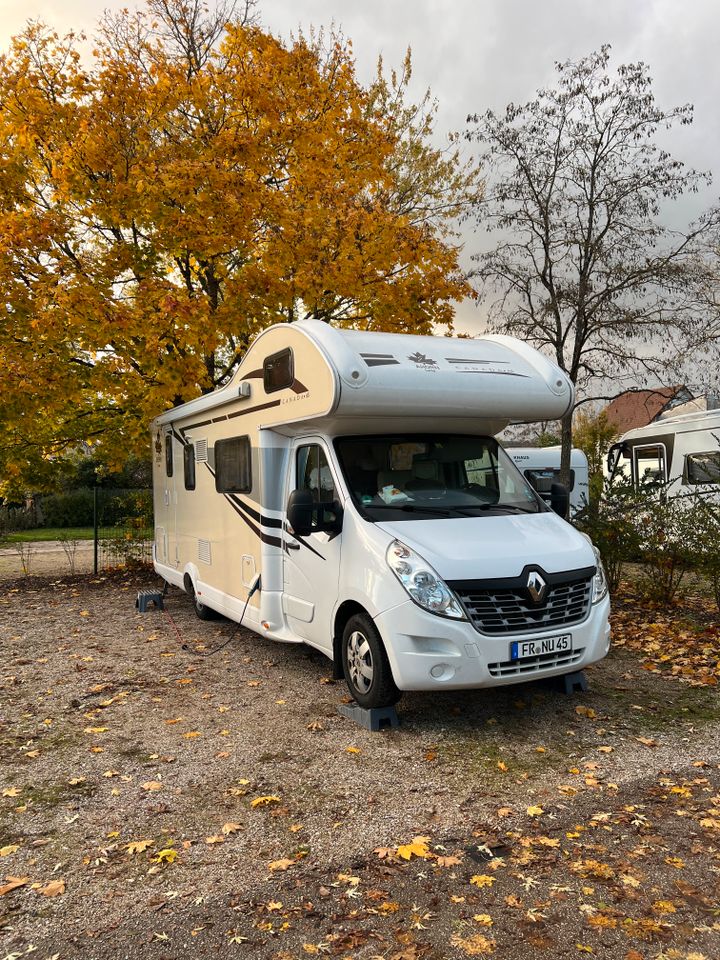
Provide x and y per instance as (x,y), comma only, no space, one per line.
(428,652)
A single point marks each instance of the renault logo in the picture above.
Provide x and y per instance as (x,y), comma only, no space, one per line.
(536,586)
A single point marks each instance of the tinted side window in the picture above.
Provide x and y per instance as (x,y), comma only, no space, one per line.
(278,371)
(313,473)
(233,466)
(702,468)
(189,462)
(169,455)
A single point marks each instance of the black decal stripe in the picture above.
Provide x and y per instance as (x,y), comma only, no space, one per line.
(253,375)
(302,541)
(298,387)
(459,360)
(497,373)
(381,356)
(265,521)
(381,363)
(219,419)
(264,537)
(260,406)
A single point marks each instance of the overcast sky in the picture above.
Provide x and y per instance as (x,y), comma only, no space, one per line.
(476,54)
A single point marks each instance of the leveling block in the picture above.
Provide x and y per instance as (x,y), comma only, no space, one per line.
(374,719)
(146,597)
(570,683)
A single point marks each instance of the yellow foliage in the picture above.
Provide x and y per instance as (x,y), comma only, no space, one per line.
(157,213)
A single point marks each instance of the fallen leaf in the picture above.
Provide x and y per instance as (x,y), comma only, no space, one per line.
(353,750)
(12,884)
(281,864)
(217,838)
(166,856)
(54,888)
(11,792)
(139,846)
(264,801)
(10,848)
(418,848)
(482,880)
(534,811)
(152,785)
(229,828)
(484,919)
(191,734)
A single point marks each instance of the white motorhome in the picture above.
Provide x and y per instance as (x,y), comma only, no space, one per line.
(345,490)
(679,454)
(541,467)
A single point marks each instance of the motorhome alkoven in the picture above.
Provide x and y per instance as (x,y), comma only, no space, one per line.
(345,490)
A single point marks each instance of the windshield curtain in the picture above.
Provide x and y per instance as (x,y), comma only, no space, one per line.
(397,477)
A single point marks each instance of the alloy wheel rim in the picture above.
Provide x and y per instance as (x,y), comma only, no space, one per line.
(360,661)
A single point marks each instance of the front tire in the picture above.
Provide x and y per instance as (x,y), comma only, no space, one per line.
(203,612)
(366,666)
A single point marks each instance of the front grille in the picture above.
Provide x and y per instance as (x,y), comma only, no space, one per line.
(544,661)
(505,608)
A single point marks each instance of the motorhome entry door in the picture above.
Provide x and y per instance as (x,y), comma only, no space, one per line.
(311,564)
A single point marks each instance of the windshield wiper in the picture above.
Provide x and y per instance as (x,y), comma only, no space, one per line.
(410,508)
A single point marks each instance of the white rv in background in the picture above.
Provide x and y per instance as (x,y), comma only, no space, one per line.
(345,490)
(679,454)
(541,467)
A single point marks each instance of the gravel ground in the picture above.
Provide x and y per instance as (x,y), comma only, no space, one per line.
(46,558)
(157,801)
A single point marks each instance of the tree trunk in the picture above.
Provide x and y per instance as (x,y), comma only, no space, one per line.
(566,440)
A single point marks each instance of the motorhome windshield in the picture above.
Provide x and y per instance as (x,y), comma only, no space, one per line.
(406,477)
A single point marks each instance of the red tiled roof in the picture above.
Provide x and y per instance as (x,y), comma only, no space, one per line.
(636,408)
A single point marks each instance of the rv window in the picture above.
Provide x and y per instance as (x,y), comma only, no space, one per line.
(313,473)
(278,371)
(168,455)
(650,466)
(702,468)
(233,473)
(543,477)
(189,462)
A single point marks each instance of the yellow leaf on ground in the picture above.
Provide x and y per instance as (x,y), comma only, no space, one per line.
(151,785)
(448,861)
(264,801)
(484,919)
(606,749)
(12,884)
(418,848)
(10,848)
(191,734)
(54,888)
(353,750)
(281,864)
(166,856)
(76,781)
(217,838)
(96,729)
(482,880)
(231,828)
(139,846)
(11,792)
(534,811)
(474,946)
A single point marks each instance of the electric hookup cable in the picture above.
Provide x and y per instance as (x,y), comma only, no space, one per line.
(256,585)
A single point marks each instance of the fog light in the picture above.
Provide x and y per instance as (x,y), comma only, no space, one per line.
(441,671)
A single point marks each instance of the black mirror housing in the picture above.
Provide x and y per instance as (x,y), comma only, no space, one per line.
(559,499)
(305,515)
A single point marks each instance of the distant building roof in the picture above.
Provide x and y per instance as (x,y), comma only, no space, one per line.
(637,408)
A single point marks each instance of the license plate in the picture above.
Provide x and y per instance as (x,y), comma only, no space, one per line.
(523,649)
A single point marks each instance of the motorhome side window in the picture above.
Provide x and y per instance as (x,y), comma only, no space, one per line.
(168,455)
(278,371)
(189,464)
(650,468)
(313,473)
(233,472)
(702,467)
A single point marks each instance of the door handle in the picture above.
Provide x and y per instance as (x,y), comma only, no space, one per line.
(292,546)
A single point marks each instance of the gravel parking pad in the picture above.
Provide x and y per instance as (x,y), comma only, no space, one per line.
(159,802)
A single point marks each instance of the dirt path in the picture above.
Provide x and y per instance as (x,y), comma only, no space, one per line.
(157,802)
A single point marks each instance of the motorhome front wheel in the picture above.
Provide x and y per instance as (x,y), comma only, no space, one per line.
(365,665)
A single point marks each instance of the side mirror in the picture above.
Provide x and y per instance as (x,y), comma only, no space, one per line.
(300,511)
(559,499)
(305,515)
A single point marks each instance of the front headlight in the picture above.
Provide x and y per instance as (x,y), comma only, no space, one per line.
(425,587)
(600,584)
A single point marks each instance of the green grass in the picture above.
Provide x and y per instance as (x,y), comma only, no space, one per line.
(50,533)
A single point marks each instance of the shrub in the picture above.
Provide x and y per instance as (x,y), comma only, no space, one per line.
(610,520)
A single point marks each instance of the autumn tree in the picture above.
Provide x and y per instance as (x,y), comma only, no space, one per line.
(195,181)
(582,264)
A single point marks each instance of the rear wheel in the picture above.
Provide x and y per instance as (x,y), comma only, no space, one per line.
(365,664)
(203,612)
